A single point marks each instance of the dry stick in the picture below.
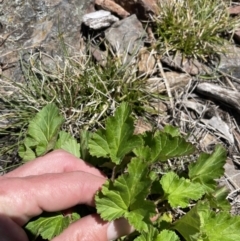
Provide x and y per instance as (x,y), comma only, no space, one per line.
(166,84)
(6,36)
(231,182)
(230,83)
(233,192)
(229,97)
(228,75)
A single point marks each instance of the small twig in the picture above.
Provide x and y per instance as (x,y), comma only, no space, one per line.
(230,83)
(150,35)
(228,75)
(158,201)
(233,192)
(159,64)
(5,37)
(227,178)
(113,173)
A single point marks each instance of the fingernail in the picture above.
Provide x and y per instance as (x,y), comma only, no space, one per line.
(118,228)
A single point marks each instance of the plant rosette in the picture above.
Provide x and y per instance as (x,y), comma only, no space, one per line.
(189,203)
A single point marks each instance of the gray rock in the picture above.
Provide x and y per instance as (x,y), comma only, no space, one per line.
(39,35)
(38,24)
(231,176)
(142,8)
(175,80)
(188,65)
(99,19)
(126,35)
(230,61)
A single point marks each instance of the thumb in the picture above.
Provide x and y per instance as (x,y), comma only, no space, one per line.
(92,227)
(10,231)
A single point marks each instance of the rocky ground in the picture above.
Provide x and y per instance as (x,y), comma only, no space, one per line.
(207,109)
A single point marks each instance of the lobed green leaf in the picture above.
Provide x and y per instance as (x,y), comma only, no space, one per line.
(126,197)
(154,235)
(42,132)
(50,225)
(162,146)
(84,138)
(118,139)
(150,235)
(172,130)
(98,145)
(208,167)
(167,235)
(189,225)
(68,143)
(218,199)
(178,191)
(220,226)
(25,150)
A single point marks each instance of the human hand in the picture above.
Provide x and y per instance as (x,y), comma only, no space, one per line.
(54,182)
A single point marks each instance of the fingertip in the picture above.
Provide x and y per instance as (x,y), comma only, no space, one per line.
(92,227)
(88,228)
(118,228)
(47,192)
(57,161)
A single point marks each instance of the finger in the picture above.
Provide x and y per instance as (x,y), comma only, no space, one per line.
(93,228)
(54,162)
(24,198)
(10,231)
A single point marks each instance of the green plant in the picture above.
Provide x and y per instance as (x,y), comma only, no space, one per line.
(84,91)
(44,135)
(160,204)
(193,28)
